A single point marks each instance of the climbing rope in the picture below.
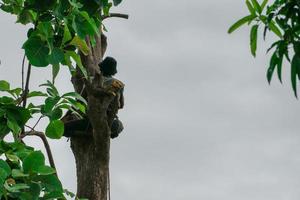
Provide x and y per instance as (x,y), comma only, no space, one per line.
(108,184)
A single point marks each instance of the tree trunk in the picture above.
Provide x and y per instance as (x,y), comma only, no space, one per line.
(91,171)
(92,151)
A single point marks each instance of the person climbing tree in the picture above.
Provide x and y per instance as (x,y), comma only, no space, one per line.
(108,68)
(79,127)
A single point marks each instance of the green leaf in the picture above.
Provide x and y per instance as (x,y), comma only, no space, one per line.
(2,112)
(250,8)
(77,105)
(106,9)
(17,115)
(12,158)
(7,8)
(51,183)
(77,59)
(273,63)
(56,56)
(296,46)
(117,2)
(15,92)
(20,186)
(68,62)
(295,65)
(84,25)
(5,167)
(55,71)
(256,6)
(241,22)
(45,30)
(263,5)
(22,154)
(25,17)
(54,195)
(81,45)
(16,173)
(75,4)
(15,188)
(67,35)
(279,67)
(3,176)
(7,100)
(271,24)
(55,129)
(4,130)
(275,29)
(33,161)
(50,102)
(54,92)
(4,86)
(46,17)
(253,39)
(45,170)
(75,95)
(41,6)
(36,51)
(13,125)
(91,22)
(34,191)
(36,94)
(56,114)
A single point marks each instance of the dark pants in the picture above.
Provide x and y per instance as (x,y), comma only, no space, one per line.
(82,126)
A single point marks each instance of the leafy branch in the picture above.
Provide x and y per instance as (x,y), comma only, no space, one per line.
(281,18)
(42,136)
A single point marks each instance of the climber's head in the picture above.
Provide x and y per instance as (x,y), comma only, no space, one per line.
(108,66)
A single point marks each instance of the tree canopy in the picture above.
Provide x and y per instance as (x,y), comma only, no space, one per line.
(57,33)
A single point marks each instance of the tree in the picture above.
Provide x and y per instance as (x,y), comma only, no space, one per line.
(282,17)
(70,33)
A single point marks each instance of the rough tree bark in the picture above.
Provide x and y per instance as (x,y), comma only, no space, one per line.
(92,151)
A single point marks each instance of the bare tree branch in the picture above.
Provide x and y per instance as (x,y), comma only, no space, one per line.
(38,121)
(46,144)
(26,90)
(23,66)
(119,15)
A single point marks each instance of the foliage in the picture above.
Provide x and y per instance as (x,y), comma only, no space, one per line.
(58,31)
(24,175)
(283,19)
(27,176)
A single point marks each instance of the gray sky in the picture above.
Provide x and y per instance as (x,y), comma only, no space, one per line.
(201,122)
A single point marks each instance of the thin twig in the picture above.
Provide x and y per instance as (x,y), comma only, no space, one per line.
(37,122)
(26,90)
(119,15)
(46,144)
(109,196)
(31,128)
(23,66)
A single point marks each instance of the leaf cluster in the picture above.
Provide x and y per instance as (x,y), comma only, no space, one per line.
(281,17)
(14,117)
(24,174)
(59,29)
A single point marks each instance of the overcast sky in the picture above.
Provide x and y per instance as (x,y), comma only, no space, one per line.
(201,121)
